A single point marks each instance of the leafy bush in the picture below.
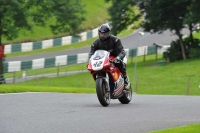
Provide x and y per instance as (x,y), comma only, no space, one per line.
(173,53)
(193,48)
(193,44)
(194,53)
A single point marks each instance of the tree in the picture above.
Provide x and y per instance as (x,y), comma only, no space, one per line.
(192,17)
(162,15)
(68,14)
(122,14)
(193,10)
(23,14)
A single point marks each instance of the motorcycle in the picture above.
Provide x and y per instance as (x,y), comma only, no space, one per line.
(109,80)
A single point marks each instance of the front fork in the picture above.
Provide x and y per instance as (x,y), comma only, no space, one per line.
(106,81)
(105,78)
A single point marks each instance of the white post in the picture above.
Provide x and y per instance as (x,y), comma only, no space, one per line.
(24,74)
(136,59)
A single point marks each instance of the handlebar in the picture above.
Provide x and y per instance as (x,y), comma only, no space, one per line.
(112,61)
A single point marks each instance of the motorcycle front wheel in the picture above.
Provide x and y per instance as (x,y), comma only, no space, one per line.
(102,94)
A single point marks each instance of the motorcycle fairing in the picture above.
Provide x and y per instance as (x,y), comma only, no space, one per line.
(100,67)
(99,60)
(119,86)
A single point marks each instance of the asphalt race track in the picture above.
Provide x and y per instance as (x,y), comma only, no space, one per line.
(82,113)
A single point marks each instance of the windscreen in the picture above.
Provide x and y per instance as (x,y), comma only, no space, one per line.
(99,54)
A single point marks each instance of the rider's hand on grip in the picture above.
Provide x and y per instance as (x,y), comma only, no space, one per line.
(117,59)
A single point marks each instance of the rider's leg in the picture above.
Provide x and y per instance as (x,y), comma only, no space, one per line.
(122,68)
(126,79)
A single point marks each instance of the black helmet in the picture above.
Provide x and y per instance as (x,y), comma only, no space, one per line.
(104,32)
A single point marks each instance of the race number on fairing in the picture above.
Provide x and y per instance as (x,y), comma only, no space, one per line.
(97,64)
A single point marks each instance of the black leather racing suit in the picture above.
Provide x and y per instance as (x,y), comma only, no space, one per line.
(114,46)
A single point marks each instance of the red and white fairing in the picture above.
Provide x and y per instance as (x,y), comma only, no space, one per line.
(108,78)
(99,61)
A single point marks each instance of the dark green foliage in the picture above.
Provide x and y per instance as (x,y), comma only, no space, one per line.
(190,44)
(23,14)
(174,52)
(194,53)
(68,14)
(122,15)
(192,15)
(162,15)
(193,48)
(12,17)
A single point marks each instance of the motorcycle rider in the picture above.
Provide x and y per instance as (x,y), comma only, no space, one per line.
(111,43)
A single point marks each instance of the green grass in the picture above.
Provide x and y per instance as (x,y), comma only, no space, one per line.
(193,128)
(96,14)
(179,78)
(17,89)
(132,27)
(171,79)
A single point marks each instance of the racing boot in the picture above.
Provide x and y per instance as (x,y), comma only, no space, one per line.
(126,82)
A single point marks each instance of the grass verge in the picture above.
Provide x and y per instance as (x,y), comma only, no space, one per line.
(19,88)
(50,70)
(178,78)
(193,128)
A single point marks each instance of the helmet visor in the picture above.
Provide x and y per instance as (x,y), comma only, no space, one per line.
(104,35)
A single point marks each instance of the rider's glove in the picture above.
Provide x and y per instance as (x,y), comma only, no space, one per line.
(117,59)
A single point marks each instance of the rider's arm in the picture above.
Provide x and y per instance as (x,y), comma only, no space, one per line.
(119,48)
(93,49)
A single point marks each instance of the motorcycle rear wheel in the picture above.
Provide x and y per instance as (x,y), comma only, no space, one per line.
(127,97)
(102,94)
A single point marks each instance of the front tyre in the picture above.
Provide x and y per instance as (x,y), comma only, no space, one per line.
(102,94)
(127,97)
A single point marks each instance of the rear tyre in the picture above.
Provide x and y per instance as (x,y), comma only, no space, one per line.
(127,97)
(102,94)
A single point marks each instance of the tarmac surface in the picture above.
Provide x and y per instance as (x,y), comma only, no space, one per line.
(82,113)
